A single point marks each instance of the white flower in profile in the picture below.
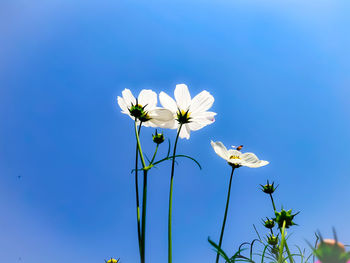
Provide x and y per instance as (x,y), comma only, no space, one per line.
(192,114)
(144,109)
(235,158)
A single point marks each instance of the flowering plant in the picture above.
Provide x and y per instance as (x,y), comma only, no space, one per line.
(186,114)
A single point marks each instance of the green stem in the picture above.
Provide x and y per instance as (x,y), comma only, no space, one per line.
(144,203)
(273,203)
(225,216)
(154,155)
(285,241)
(137,195)
(144,198)
(171,197)
(288,251)
(139,146)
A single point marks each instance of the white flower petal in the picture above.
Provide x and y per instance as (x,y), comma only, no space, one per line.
(122,105)
(185,132)
(195,126)
(205,114)
(148,99)
(204,118)
(235,161)
(168,102)
(163,118)
(220,150)
(233,152)
(182,97)
(255,165)
(263,163)
(128,97)
(202,102)
(160,124)
(251,160)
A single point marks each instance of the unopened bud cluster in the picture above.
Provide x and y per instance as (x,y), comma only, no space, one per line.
(284,217)
(158,138)
(268,188)
(269,223)
(272,240)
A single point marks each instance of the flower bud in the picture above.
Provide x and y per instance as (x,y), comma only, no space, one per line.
(112,260)
(275,250)
(285,216)
(269,223)
(331,251)
(272,240)
(138,111)
(144,117)
(158,138)
(268,188)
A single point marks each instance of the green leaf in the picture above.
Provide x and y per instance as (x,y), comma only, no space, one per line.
(219,250)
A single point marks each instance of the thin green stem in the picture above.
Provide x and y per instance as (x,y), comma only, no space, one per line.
(225,216)
(154,155)
(171,197)
(144,195)
(273,203)
(283,240)
(288,251)
(137,195)
(144,203)
(139,146)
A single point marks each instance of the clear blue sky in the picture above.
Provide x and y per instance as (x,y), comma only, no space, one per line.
(279,73)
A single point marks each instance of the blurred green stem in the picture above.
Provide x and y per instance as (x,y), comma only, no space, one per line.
(225,215)
(283,243)
(171,197)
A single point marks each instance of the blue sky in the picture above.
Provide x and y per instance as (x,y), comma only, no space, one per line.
(279,73)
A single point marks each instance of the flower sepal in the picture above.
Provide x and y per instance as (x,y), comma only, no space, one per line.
(158,138)
(269,223)
(269,188)
(285,216)
(272,240)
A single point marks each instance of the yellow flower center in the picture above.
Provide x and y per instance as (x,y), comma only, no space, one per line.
(235,157)
(184,113)
(183,116)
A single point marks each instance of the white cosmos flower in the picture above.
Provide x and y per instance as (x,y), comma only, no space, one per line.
(146,106)
(193,113)
(234,157)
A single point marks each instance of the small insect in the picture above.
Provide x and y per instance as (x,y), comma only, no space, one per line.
(239,147)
